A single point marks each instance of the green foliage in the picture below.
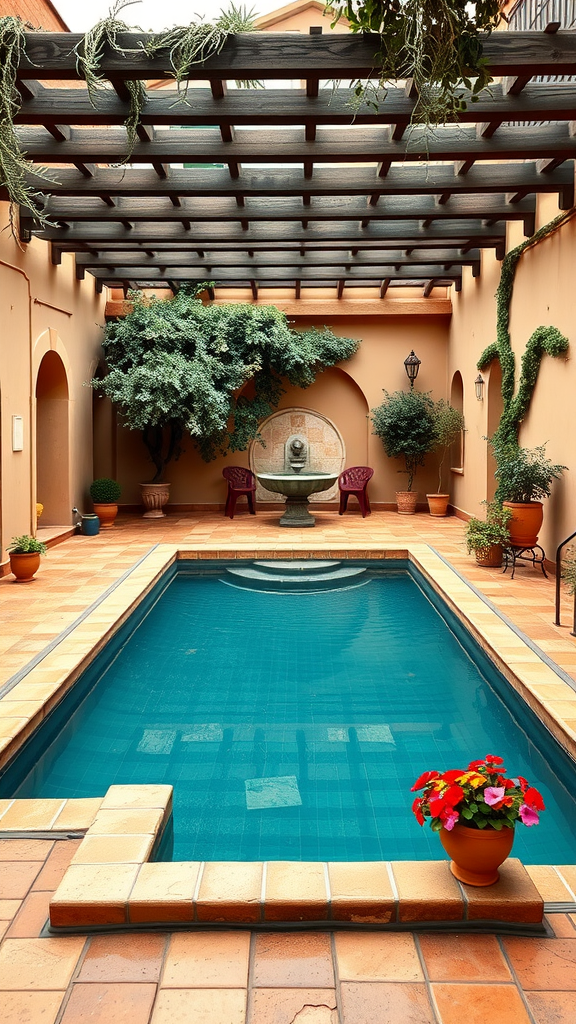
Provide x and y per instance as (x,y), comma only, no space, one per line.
(175,367)
(569,570)
(448,424)
(544,340)
(436,43)
(523,474)
(405,425)
(105,491)
(26,545)
(483,534)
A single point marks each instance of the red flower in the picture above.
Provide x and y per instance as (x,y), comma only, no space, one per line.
(534,799)
(523,783)
(491,759)
(452,775)
(474,765)
(508,783)
(424,780)
(453,795)
(436,805)
(416,807)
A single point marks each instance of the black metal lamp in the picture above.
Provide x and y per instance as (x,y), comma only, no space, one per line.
(412,365)
(479,387)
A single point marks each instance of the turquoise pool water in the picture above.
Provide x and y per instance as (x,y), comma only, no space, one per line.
(292,726)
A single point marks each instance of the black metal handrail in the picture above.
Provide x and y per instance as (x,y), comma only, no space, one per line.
(558,576)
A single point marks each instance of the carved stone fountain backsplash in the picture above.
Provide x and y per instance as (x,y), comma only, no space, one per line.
(326,448)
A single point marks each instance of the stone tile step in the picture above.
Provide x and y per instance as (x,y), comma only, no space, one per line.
(305,582)
(297,565)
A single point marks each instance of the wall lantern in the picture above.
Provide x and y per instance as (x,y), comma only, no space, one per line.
(479,387)
(412,365)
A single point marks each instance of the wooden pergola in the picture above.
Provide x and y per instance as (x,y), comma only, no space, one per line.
(299,189)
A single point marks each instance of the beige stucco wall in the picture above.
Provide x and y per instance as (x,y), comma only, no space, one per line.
(43,309)
(543,295)
(343,394)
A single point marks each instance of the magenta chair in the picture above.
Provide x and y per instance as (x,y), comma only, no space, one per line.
(240,481)
(355,481)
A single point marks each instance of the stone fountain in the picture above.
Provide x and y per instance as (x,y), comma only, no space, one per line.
(297,482)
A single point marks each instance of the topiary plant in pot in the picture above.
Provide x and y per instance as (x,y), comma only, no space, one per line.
(404,422)
(486,538)
(524,478)
(105,494)
(448,425)
(25,554)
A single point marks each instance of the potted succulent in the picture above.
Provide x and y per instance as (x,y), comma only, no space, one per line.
(25,554)
(404,422)
(448,425)
(105,493)
(524,478)
(475,811)
(486,538)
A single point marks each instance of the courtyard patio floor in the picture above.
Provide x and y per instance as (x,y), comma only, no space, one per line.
(233,977)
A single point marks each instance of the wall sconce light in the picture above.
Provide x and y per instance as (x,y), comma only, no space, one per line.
(412,365)
(479,387)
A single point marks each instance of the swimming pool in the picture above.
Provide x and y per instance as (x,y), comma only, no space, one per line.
(292,725)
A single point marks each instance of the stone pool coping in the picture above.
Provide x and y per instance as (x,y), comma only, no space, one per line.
(111,880)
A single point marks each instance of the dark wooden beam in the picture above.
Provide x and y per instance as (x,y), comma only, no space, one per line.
(339,287)
(188,258)
(285,275)
(254,290)
(428,287)
(384,286)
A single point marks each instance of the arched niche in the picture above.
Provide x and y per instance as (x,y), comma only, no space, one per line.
(327,449)
(457,401)
(53,441)
(495,406)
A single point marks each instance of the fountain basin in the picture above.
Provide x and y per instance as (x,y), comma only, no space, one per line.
(297,487)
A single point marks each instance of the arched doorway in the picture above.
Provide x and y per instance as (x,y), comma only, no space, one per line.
(53,442)
(457,401)
(494,412)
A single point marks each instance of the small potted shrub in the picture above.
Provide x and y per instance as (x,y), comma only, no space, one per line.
(524,478)
(25,554)
(105,494)
(487,538)
(475,811)
(448,424)
(405,425)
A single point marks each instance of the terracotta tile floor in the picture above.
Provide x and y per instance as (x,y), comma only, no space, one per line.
(239,977)
(77,571)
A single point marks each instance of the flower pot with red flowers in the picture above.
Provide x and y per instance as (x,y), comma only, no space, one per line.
(475,811)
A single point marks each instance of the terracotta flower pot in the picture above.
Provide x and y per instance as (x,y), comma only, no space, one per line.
(525,523)
(154,497)
(106,513)
(438,504)
(476,854)
(24,566)
(490,558)
(406,502)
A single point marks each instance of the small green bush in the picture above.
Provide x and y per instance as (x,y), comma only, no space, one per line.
(523,474)
(26,545)
(483,534)
(405,425)
(105,491)
(448,424)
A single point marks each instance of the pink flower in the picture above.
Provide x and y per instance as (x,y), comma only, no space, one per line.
(528,815)
(449,817)
(493,795)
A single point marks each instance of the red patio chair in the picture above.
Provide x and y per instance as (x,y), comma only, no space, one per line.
(355,481)
(240,481)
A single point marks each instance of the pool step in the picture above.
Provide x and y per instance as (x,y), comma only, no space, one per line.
(295,577)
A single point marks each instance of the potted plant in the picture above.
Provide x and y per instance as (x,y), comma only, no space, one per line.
(475,812)
(105,493)
(486,538)
(524,478)
(405,425)
(448,425)
(25,554)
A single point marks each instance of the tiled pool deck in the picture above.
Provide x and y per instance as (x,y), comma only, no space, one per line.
(317,976)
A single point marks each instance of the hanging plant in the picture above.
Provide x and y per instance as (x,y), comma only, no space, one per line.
(436,43)
(544,341)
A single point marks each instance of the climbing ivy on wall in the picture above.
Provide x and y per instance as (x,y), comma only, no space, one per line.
(544,341)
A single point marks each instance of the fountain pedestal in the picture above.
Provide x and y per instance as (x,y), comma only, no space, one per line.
(296,513)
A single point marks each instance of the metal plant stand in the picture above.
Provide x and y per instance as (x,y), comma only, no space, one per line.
(535,555)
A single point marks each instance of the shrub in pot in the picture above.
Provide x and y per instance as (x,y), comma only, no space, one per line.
(475,811)
(524,478)
(486,538)
(25,554)
(404,422)
(105,494)
(448,424)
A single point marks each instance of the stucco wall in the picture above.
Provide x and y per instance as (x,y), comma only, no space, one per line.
(543,295)
(44,309)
